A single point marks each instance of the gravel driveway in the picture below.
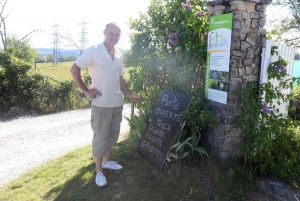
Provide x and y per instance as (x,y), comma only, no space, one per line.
(28,142)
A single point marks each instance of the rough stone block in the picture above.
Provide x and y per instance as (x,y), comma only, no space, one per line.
(246,16)
(237,15)
(250,39)
(251,78)
(236,53)
(258,48)
(235,44)
(254,23)
(235,62)
(236,81)
(247,24)
(257,60)
(250,7)
(262,31)
(250,53)
(247,62)
(233,73)
(237,5)
(235,33)
(261,8)
(254,16)
(263,15)
(244,45)
(249,70)
(243,34)
(241,71)
(236,25)
(262,22)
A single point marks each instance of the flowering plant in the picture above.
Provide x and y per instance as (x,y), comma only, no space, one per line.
(271,138)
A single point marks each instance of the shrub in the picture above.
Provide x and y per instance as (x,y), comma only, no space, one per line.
(169,52)
(272,140)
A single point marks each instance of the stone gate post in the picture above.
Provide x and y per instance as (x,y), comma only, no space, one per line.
(247,40)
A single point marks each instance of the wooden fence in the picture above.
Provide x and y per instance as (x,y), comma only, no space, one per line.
(287,53)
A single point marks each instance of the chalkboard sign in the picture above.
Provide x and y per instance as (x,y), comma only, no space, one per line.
(163,126)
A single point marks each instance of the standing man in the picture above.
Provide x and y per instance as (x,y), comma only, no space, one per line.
(106,68)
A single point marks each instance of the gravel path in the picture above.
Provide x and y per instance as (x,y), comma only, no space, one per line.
(28,142)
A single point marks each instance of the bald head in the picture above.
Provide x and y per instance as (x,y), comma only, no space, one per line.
(112,24)
(112,34)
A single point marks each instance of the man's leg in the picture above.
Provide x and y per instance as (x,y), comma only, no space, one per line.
(98,162)
(107,156)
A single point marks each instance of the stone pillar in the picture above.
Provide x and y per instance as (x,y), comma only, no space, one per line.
(247,40)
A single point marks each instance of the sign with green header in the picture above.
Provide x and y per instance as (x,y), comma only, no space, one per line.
(218,56)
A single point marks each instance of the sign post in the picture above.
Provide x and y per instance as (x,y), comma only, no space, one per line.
(218,56)
(162,127)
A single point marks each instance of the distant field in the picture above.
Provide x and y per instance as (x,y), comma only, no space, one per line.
(62,71)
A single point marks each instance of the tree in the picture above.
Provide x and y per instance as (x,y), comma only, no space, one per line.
(168,51)
(287,29)
(21,49)
(3,32)
(169,47)
(71,41)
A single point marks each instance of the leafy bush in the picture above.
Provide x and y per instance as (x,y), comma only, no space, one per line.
(35,91)
(169,52)
(272,140)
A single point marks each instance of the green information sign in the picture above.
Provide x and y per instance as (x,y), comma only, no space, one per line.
(218,56)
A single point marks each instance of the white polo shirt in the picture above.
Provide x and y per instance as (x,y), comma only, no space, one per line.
(105,74)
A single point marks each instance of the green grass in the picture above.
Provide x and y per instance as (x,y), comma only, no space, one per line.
(71,177)
(62,71)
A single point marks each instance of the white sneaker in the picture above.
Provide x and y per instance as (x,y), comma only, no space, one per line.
(112,165)
(100,179)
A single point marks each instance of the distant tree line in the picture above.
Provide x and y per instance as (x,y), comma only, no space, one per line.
(44,58)
(297,56)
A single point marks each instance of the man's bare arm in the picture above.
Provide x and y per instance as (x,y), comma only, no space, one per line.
(77,76)
(126,90)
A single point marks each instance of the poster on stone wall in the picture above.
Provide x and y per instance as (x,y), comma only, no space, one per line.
(218,57)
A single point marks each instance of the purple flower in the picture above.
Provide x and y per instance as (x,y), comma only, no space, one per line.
(200,14)
(160,27)
(280,67)
(265,108)
(174,38)
(189,7)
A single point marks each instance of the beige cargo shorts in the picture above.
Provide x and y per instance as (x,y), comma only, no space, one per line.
(105,123)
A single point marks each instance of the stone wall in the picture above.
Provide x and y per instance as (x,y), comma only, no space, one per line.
(248,37)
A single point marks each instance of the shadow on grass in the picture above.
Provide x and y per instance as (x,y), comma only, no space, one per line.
(138,180)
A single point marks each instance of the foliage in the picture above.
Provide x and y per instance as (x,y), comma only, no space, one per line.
(169,52)
(296,93)
(287,29)
(138,123)
(272,143)
(21,49)
(36,91)
(160,64)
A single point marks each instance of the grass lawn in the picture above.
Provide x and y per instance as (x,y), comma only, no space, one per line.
(62,71)
(72,177)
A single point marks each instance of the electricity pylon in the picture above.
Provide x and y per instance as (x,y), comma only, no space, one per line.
(83,40)
(56,47)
